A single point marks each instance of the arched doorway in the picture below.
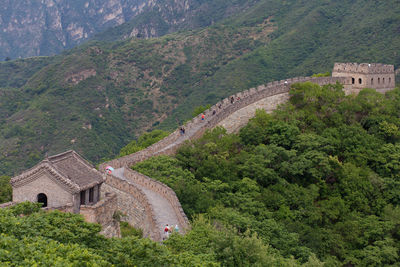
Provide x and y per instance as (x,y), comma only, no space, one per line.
(42,198)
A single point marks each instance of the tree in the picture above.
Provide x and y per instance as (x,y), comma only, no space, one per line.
(5,189)
(145,140)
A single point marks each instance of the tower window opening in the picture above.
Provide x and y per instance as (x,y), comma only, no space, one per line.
(379,80)
(383,80)
(390,80)
(352,80)
(372,81)
(91,194)
(83,197)
(359,81)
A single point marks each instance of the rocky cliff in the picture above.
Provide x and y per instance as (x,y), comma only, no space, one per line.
(46,27)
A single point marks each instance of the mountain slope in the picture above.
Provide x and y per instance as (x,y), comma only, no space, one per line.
(168,16)
(35,28)
(99,96)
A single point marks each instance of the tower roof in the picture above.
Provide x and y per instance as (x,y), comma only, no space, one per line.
(68,169)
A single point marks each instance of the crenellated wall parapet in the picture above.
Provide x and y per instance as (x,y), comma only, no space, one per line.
(161,189)
(380,77)
(363,68)
(196,126)
(133,202)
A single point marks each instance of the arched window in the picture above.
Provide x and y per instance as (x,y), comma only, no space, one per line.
(372,81)
(359,81)
(352,80)
(379,80)
(42,198)
(390,80)
(383,80)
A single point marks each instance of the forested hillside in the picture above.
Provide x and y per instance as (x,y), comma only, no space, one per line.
(318,176)
(315,183)
(98,97)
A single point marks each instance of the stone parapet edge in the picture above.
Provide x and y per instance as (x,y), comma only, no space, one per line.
(132,189)
(164,190)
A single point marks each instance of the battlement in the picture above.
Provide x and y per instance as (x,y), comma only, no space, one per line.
(366,75)
(364,68)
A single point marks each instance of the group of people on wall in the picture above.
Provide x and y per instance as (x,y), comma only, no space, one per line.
(169,230)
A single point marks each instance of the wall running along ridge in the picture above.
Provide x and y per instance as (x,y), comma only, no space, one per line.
(196,127)
(132,200)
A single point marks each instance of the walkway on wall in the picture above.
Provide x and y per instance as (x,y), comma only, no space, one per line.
(163,211)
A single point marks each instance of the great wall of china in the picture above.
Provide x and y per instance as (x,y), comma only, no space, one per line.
(147,194)
(134,187)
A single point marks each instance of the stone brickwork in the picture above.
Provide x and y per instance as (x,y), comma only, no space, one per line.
(365,75)
(240,118)
(160,189)
(7,204)
(43,182)
(134,204)
(66,208)
(102,213)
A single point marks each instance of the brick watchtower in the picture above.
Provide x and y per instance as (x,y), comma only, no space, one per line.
(380,77)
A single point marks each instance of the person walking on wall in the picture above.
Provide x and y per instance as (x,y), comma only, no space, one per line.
(176,229)
(232,100)
(166,231)
(203,117)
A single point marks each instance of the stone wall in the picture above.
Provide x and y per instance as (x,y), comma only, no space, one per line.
(134,204)
(66,208)
(102,213)
(42,182)
(235,121)
(378,76)
(366,68)
(196,127)
(7,204)
(162,190)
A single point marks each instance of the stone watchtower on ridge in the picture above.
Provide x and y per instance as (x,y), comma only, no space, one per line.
(380,77)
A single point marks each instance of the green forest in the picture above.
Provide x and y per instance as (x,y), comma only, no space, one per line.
(315,183)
